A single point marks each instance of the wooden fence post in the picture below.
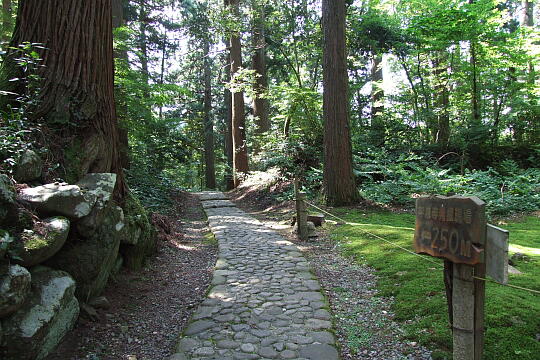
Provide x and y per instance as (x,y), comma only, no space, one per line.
(301,212)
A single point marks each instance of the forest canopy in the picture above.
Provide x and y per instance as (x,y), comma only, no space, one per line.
(442,96)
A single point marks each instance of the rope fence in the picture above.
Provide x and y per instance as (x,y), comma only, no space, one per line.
(426,258)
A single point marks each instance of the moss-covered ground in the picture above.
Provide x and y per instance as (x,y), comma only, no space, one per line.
(512,316)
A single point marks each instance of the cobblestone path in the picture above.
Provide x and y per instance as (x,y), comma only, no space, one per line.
(264,302)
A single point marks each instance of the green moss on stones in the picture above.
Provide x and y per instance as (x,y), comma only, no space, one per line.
(137,226)
(33,242)
(72,161)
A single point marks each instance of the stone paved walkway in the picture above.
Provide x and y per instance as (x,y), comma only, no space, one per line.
(264,302)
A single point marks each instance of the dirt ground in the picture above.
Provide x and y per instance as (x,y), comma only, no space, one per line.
(148,309)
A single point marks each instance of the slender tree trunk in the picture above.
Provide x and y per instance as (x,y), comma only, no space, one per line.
(442,101)
(6,20)
(260,102)
(240,154)
(209,155)
(229,174)
(117,14)
(163,69)
(377,101)
(527,19)
(339,182)
(475,96)
(76,95)
(143,57)
(121,106)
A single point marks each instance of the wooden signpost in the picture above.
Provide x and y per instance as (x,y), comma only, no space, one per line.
(455,229)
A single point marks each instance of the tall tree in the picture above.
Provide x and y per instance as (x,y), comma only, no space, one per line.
(377,100)
(339,182)
(441,133)
(143,40)
(527,20)
(6,19)
(260,102)
(209,156)
(240,154)
(229,173)
(76,96)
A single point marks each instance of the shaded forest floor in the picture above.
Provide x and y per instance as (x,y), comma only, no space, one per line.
(148,309)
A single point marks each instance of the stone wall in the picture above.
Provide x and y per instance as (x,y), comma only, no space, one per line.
(59,243)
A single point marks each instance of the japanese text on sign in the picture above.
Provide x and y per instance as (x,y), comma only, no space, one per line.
(451,228)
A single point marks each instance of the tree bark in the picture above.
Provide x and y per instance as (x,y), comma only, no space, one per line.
(339,182)
(143,57)
(240,154)
(229,174)
(442,101)
(475,95)
(209,155)
(527,19)
(377,101)
(6,20)
(260,102)
(76,95)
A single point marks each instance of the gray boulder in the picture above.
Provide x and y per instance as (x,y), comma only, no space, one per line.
(36,246)
(40,324)
(29,167)
(14,288)
(59,199)
(101,186)
(91,260)
(8,203)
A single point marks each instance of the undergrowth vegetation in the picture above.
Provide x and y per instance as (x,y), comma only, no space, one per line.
(396,178)
(416,285)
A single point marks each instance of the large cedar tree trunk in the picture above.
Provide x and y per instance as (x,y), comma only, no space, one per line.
(339,183)
(76,97)
(240,154)
(260,102)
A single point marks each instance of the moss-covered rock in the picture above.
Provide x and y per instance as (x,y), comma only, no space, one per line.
(40,244)
(101,186)
(29,167)
(91,260)
(14,288)
(39,325)
(139,238)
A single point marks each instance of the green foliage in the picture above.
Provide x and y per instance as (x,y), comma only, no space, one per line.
(17,132)
(388,178)
(418,290)
(299,112)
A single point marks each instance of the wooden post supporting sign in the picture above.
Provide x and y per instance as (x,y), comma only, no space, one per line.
(454,228)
